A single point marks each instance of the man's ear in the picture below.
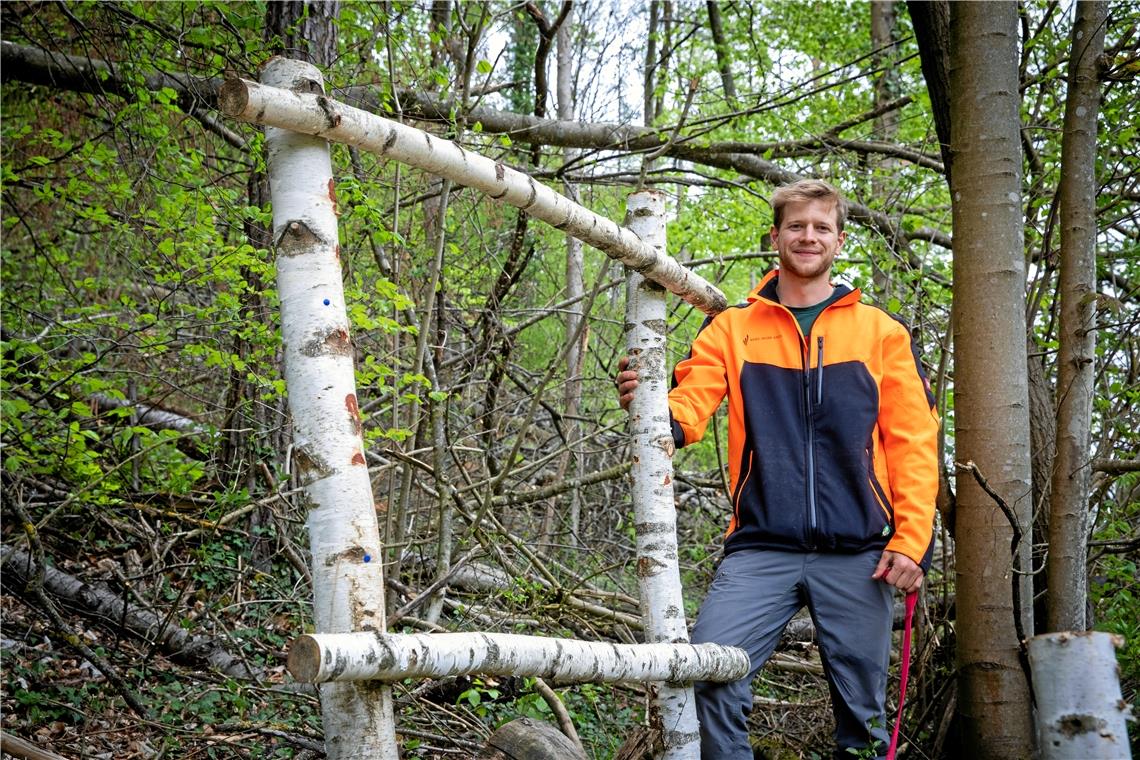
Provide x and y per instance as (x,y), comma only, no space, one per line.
(842,237)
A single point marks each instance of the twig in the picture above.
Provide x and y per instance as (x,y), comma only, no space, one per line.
(560,712)
(435,586)
(1015,558)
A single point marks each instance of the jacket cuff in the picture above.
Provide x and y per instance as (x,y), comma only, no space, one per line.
(678,433)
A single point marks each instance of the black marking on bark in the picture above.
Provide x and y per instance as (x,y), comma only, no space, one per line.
(332,118)
(388,143)
(1074,725)
(533,193)
(500,172)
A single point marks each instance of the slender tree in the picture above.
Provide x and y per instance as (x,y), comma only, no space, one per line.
(1072,468)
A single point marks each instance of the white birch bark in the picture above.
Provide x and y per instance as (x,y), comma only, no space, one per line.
(659,578)
(319,658)
(1081,713)
(314,114)
(348,582)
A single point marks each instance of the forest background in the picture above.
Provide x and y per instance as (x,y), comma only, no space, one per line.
(155,562)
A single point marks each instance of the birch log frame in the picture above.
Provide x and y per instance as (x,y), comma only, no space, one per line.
(314,114)
(371,656)
(673,710)
(328,450)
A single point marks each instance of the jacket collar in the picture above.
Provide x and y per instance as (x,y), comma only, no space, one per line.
(766,291)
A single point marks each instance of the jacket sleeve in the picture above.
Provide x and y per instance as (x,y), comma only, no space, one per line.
(700,382)
(908,428)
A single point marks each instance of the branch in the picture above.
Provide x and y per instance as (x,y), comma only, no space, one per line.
(560,712)
(1116,466)
(36,66)
(1014,542)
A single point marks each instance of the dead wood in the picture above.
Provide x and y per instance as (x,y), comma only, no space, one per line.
(97,601)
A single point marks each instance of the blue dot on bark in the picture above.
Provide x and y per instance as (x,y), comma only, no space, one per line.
(367,557)
(326,302)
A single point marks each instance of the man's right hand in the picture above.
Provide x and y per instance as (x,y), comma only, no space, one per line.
(625,381)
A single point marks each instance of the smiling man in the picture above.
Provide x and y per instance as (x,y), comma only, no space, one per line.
(833,472)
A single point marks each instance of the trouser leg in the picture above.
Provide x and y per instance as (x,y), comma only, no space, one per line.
(751,599)
(852,615)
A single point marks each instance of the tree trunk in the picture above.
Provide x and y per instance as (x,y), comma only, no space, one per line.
(884,35)
(723,53)
(328,455)
(991,392)
(575,288)
(1068,523)
(931,20)
(1081,714)
(662,607)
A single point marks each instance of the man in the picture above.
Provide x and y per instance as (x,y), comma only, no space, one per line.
(833,468)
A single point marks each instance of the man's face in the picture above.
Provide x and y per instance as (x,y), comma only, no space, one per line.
(808,239)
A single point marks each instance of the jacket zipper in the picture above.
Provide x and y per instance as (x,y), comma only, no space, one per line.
(808,422)
(819,373)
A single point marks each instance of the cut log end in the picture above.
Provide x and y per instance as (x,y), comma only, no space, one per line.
(304,661)
(233,97)
(529,739)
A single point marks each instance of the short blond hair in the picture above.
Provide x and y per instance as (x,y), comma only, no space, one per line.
(804,190)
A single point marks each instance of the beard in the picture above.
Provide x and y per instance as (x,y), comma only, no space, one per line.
(810,269)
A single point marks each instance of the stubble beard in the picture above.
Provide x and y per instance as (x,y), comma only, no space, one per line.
(821,269)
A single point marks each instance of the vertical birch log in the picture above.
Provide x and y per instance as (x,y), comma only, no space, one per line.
(1081,713)
(348,582)
(673,712)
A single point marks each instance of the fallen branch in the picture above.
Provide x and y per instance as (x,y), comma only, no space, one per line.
(98,601)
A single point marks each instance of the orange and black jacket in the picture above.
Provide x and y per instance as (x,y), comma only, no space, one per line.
(832,436)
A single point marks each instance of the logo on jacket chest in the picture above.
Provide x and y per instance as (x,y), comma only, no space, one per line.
(754,338)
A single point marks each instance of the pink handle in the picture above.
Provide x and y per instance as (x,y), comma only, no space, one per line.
(911,600)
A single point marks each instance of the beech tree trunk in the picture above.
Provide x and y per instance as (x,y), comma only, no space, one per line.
(328,453)
(991,390)
(659,578)
(1068,520)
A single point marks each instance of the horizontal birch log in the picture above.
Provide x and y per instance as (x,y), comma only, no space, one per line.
(321,657)
(315,114)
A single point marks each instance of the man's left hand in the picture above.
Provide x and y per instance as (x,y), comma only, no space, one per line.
(899,571)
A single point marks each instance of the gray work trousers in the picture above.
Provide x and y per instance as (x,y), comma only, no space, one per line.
(753,596)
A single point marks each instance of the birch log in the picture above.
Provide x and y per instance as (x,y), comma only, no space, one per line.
(655,518)
(314,114)
(348,582)
(319,658)
(1080,713)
